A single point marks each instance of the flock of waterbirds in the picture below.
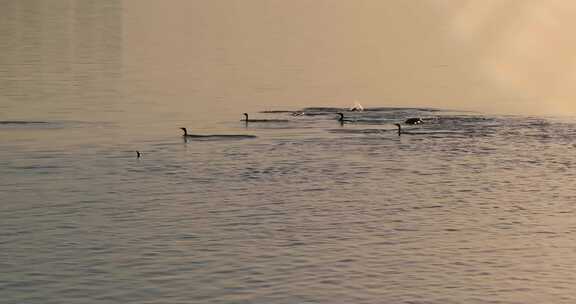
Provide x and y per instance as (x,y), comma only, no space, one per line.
(341,118)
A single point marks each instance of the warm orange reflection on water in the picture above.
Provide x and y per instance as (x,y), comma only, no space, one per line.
(464,208)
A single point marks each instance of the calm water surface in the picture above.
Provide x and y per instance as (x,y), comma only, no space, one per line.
(466,208)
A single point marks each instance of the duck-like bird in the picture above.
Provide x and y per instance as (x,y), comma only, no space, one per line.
(247,119)
(399,128)
(215,136)
(413,121)
(342,119)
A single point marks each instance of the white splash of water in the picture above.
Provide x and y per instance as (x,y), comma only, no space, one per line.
(357,107)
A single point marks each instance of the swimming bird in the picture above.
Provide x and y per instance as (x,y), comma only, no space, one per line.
(342,119)
(414,121)
(247,119)
(215,136)
(138,154)
(399,128)
(185,135)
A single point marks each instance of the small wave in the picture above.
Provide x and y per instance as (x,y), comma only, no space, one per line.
(277,111)
(463,119)
(359,131)
(55,124)
(21,122)
(323,110)
(372,121)
(401,109)
(266,121)
(220,137)
(29,124)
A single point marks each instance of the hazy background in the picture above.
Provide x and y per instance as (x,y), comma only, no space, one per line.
(465,208)
(496,56)
(186,58)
